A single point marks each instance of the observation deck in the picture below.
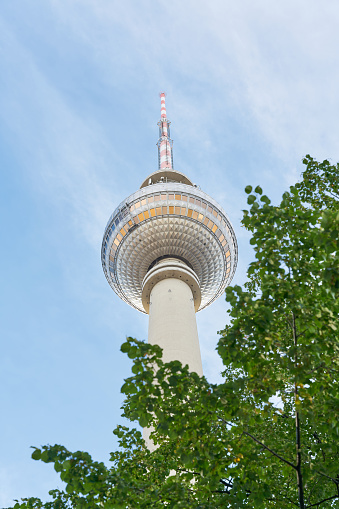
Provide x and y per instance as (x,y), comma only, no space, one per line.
(169,217)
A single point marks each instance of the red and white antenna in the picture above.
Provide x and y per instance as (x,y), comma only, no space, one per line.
(165,144)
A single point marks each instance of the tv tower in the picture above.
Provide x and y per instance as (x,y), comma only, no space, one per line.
(169,250)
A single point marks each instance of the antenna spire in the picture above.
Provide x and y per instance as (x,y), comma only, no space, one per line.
(165,144)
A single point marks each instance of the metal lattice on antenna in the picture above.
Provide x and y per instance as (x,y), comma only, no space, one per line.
(165,144)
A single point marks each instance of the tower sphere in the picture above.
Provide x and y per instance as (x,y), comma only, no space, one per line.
(168,217)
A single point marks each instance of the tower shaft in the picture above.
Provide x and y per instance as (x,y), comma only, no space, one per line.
(172,322)
(173,325)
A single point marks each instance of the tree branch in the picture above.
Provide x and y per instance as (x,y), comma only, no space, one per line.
(263,445)
(321,501)
(311,491)
(269,450)
(284,498)
(322,364)
(188,471)
(316,436)
(225,483)
(328,477)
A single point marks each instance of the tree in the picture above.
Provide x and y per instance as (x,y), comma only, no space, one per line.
(267,436)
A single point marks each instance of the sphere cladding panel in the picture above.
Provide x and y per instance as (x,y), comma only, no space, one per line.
(168,219)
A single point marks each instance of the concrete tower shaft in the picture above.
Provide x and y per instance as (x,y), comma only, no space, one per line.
(168,292)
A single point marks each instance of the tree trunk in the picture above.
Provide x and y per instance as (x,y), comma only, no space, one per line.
(297,427)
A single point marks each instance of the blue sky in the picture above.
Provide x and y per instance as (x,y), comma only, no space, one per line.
(251,88)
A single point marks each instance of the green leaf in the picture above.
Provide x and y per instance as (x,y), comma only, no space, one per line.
(125,347)
(143,420)
(57,466)
(137,368)
(132,352)
(265,199)
(248,189)
(44,456)
(36,454)
(128,388)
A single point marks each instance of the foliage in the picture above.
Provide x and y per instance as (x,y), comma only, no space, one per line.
(267,436)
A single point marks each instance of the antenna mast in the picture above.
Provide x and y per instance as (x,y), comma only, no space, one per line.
(165,144)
